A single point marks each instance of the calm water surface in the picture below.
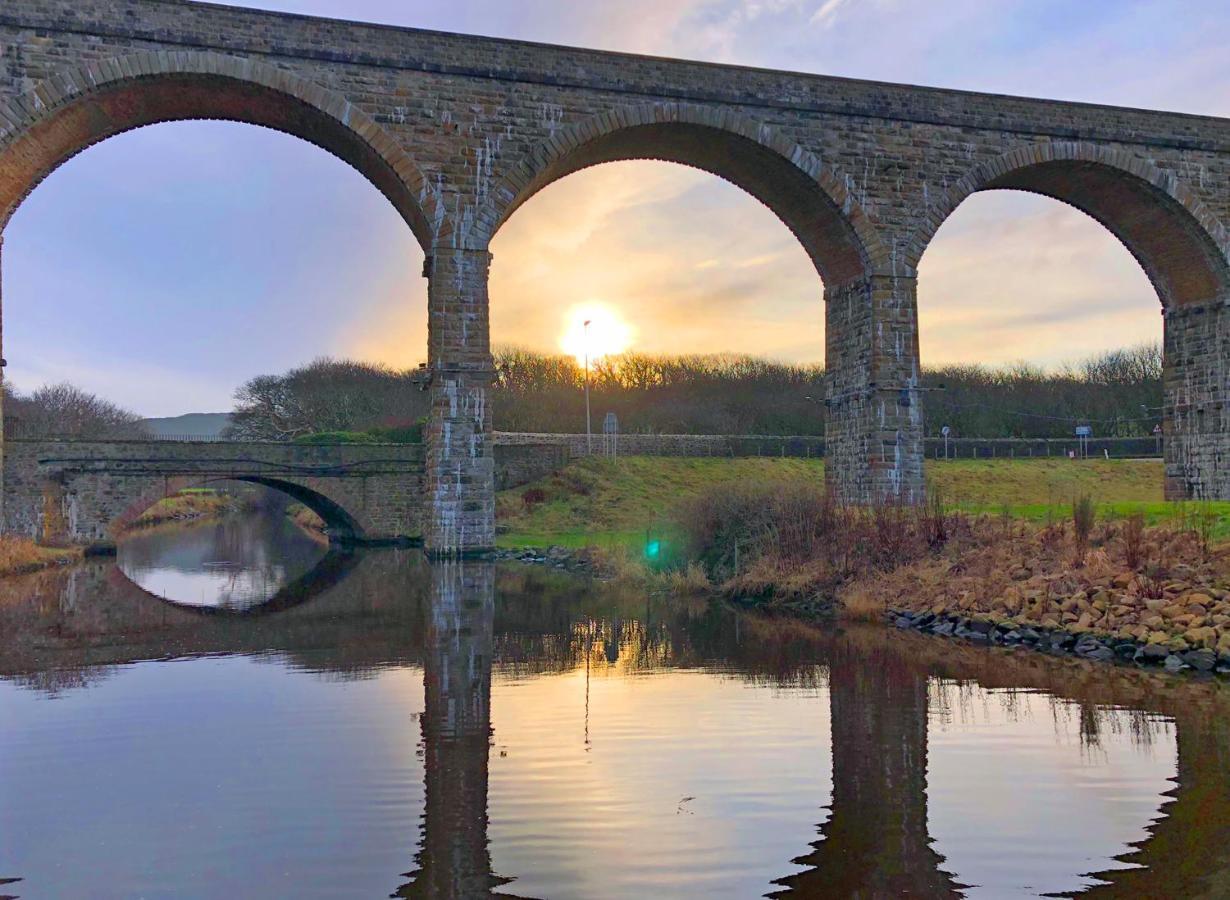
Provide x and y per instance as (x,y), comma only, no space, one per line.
(230,710)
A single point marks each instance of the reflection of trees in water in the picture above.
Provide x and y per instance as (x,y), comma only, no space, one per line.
(967,702)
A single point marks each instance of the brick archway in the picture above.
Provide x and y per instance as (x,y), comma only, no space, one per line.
(1182,247)
(812,200)
(78,108)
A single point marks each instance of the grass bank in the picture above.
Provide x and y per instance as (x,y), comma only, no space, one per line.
(595,502)
(186,506)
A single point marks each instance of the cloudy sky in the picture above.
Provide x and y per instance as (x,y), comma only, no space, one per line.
(165,266)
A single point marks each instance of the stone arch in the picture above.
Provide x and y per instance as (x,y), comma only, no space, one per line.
(341,526)
(1181,246)
(77,108)
(812,200)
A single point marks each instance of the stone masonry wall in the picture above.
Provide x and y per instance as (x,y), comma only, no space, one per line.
(459,131)
(79,491)
(1197,421)
(85,491)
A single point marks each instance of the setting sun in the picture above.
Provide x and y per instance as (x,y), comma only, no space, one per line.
(608,333)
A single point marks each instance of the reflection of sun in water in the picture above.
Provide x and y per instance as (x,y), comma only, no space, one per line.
(609,334)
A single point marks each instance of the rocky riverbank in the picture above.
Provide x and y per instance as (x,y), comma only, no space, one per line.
(1151,597)
(1168,654)
(577,561)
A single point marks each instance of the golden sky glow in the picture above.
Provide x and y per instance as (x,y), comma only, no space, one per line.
(671,260)
(593,330)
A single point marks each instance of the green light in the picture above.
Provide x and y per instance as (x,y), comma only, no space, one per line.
(653,549)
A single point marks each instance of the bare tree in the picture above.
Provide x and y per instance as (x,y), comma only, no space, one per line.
(326,395)
(66,411)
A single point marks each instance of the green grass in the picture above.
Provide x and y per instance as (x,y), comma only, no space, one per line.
(597,502)
(994,482)
(594,499)
(1155,513)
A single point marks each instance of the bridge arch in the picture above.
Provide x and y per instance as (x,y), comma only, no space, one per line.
(813,200)
(77,108)
(340,525)
(1181,246)
(1183,249)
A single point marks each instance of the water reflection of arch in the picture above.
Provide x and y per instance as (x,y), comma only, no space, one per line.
(336,564)
(395,609)
(88,618)
(1187,850)
(875,842)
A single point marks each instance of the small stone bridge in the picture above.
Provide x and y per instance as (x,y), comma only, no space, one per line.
(458,132)
(87,492)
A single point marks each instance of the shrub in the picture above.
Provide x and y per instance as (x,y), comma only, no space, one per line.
(531,497)
(1132,534)
(400,434)
(757,532)
(1084,513)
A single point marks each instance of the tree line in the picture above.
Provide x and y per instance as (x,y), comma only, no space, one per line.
(1118,393)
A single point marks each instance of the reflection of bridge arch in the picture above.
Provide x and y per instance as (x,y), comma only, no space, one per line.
(330,571)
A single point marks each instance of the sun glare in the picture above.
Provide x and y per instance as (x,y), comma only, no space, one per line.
(607,335)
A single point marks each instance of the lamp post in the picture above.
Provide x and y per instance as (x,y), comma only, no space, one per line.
(589,438)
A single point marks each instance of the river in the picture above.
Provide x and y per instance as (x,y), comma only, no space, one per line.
(232,709)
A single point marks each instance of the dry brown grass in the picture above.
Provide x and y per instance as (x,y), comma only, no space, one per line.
(862,603)
(306,519)
(793,544)
(185,507)
(1033,576)
(20,554)
(690,581)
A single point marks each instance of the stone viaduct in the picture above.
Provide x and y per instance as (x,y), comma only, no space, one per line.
(459,131)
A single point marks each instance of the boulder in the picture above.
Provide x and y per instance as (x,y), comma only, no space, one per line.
(1201,660)
(1151,653)
(1201,637)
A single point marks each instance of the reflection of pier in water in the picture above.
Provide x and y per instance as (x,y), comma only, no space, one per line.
(875,842)
(391,609)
